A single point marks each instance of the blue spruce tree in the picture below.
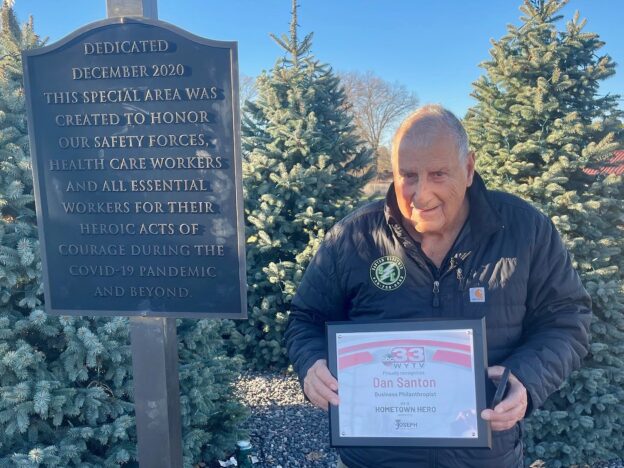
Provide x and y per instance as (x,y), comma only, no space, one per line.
(539,127)
(303,168)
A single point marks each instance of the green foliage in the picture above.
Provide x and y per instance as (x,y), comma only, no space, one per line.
(211,414)
(303,169)
(66,382)
(539,124)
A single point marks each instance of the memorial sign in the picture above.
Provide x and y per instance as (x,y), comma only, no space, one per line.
(409,383)
(134,128)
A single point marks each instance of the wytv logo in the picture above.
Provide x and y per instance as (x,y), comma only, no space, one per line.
(405,357)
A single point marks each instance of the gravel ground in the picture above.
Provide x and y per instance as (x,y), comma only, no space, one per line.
(288,432)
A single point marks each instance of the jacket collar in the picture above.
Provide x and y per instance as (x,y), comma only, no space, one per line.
(483,218)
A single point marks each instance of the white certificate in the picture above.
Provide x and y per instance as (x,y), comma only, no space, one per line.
(409,383)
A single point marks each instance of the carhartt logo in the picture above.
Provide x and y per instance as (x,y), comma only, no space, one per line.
(387,273)
(477,294)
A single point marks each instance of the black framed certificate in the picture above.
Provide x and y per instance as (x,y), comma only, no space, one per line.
(409,383)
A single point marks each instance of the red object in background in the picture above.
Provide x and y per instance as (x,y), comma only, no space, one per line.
(614,165)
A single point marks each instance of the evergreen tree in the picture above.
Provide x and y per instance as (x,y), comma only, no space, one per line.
(66,382)
(303,168)
(539,124)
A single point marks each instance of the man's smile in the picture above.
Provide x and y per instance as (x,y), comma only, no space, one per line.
(425,211)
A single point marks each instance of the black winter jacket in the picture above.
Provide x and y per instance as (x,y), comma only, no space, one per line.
(537,312)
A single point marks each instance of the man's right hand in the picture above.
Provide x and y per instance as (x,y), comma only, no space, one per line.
(320,386)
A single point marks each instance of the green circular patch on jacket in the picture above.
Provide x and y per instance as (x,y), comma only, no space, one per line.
(388,273)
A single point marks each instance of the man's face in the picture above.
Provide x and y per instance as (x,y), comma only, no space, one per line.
(430,182)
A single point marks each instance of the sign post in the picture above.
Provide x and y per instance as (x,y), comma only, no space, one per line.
(154,342)
(156,391)
(135,142)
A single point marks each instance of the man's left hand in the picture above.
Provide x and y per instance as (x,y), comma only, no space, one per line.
(513,408)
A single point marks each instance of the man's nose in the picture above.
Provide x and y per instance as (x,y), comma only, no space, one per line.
(420,195)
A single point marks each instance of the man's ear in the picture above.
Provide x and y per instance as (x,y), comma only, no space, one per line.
(470,168)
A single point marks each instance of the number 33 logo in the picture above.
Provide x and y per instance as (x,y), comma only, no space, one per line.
(408,354)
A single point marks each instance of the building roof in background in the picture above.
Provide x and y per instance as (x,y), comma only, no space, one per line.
(614,165)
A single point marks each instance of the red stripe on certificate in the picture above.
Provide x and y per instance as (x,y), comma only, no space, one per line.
(379,344)
(454,358)
(354,360)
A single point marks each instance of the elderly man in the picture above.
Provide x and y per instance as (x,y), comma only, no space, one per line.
(467,252)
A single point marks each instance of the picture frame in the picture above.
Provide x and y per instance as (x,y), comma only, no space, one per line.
(409,383)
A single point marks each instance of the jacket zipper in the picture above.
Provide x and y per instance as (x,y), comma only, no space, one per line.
(453,264)
(436,292)
(436,283)
(462,279)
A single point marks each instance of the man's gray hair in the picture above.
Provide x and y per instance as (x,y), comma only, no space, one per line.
(430,117)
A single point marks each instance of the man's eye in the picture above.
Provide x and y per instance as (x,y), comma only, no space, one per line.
(438,174)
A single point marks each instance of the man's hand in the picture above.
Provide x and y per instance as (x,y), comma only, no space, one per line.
(320,386)
(512,409)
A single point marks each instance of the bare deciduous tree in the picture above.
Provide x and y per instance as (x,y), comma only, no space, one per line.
(377,105)
(248,90)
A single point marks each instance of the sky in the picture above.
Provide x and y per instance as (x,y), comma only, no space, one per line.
(433,48)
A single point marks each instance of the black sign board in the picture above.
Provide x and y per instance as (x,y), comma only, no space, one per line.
(134,131)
